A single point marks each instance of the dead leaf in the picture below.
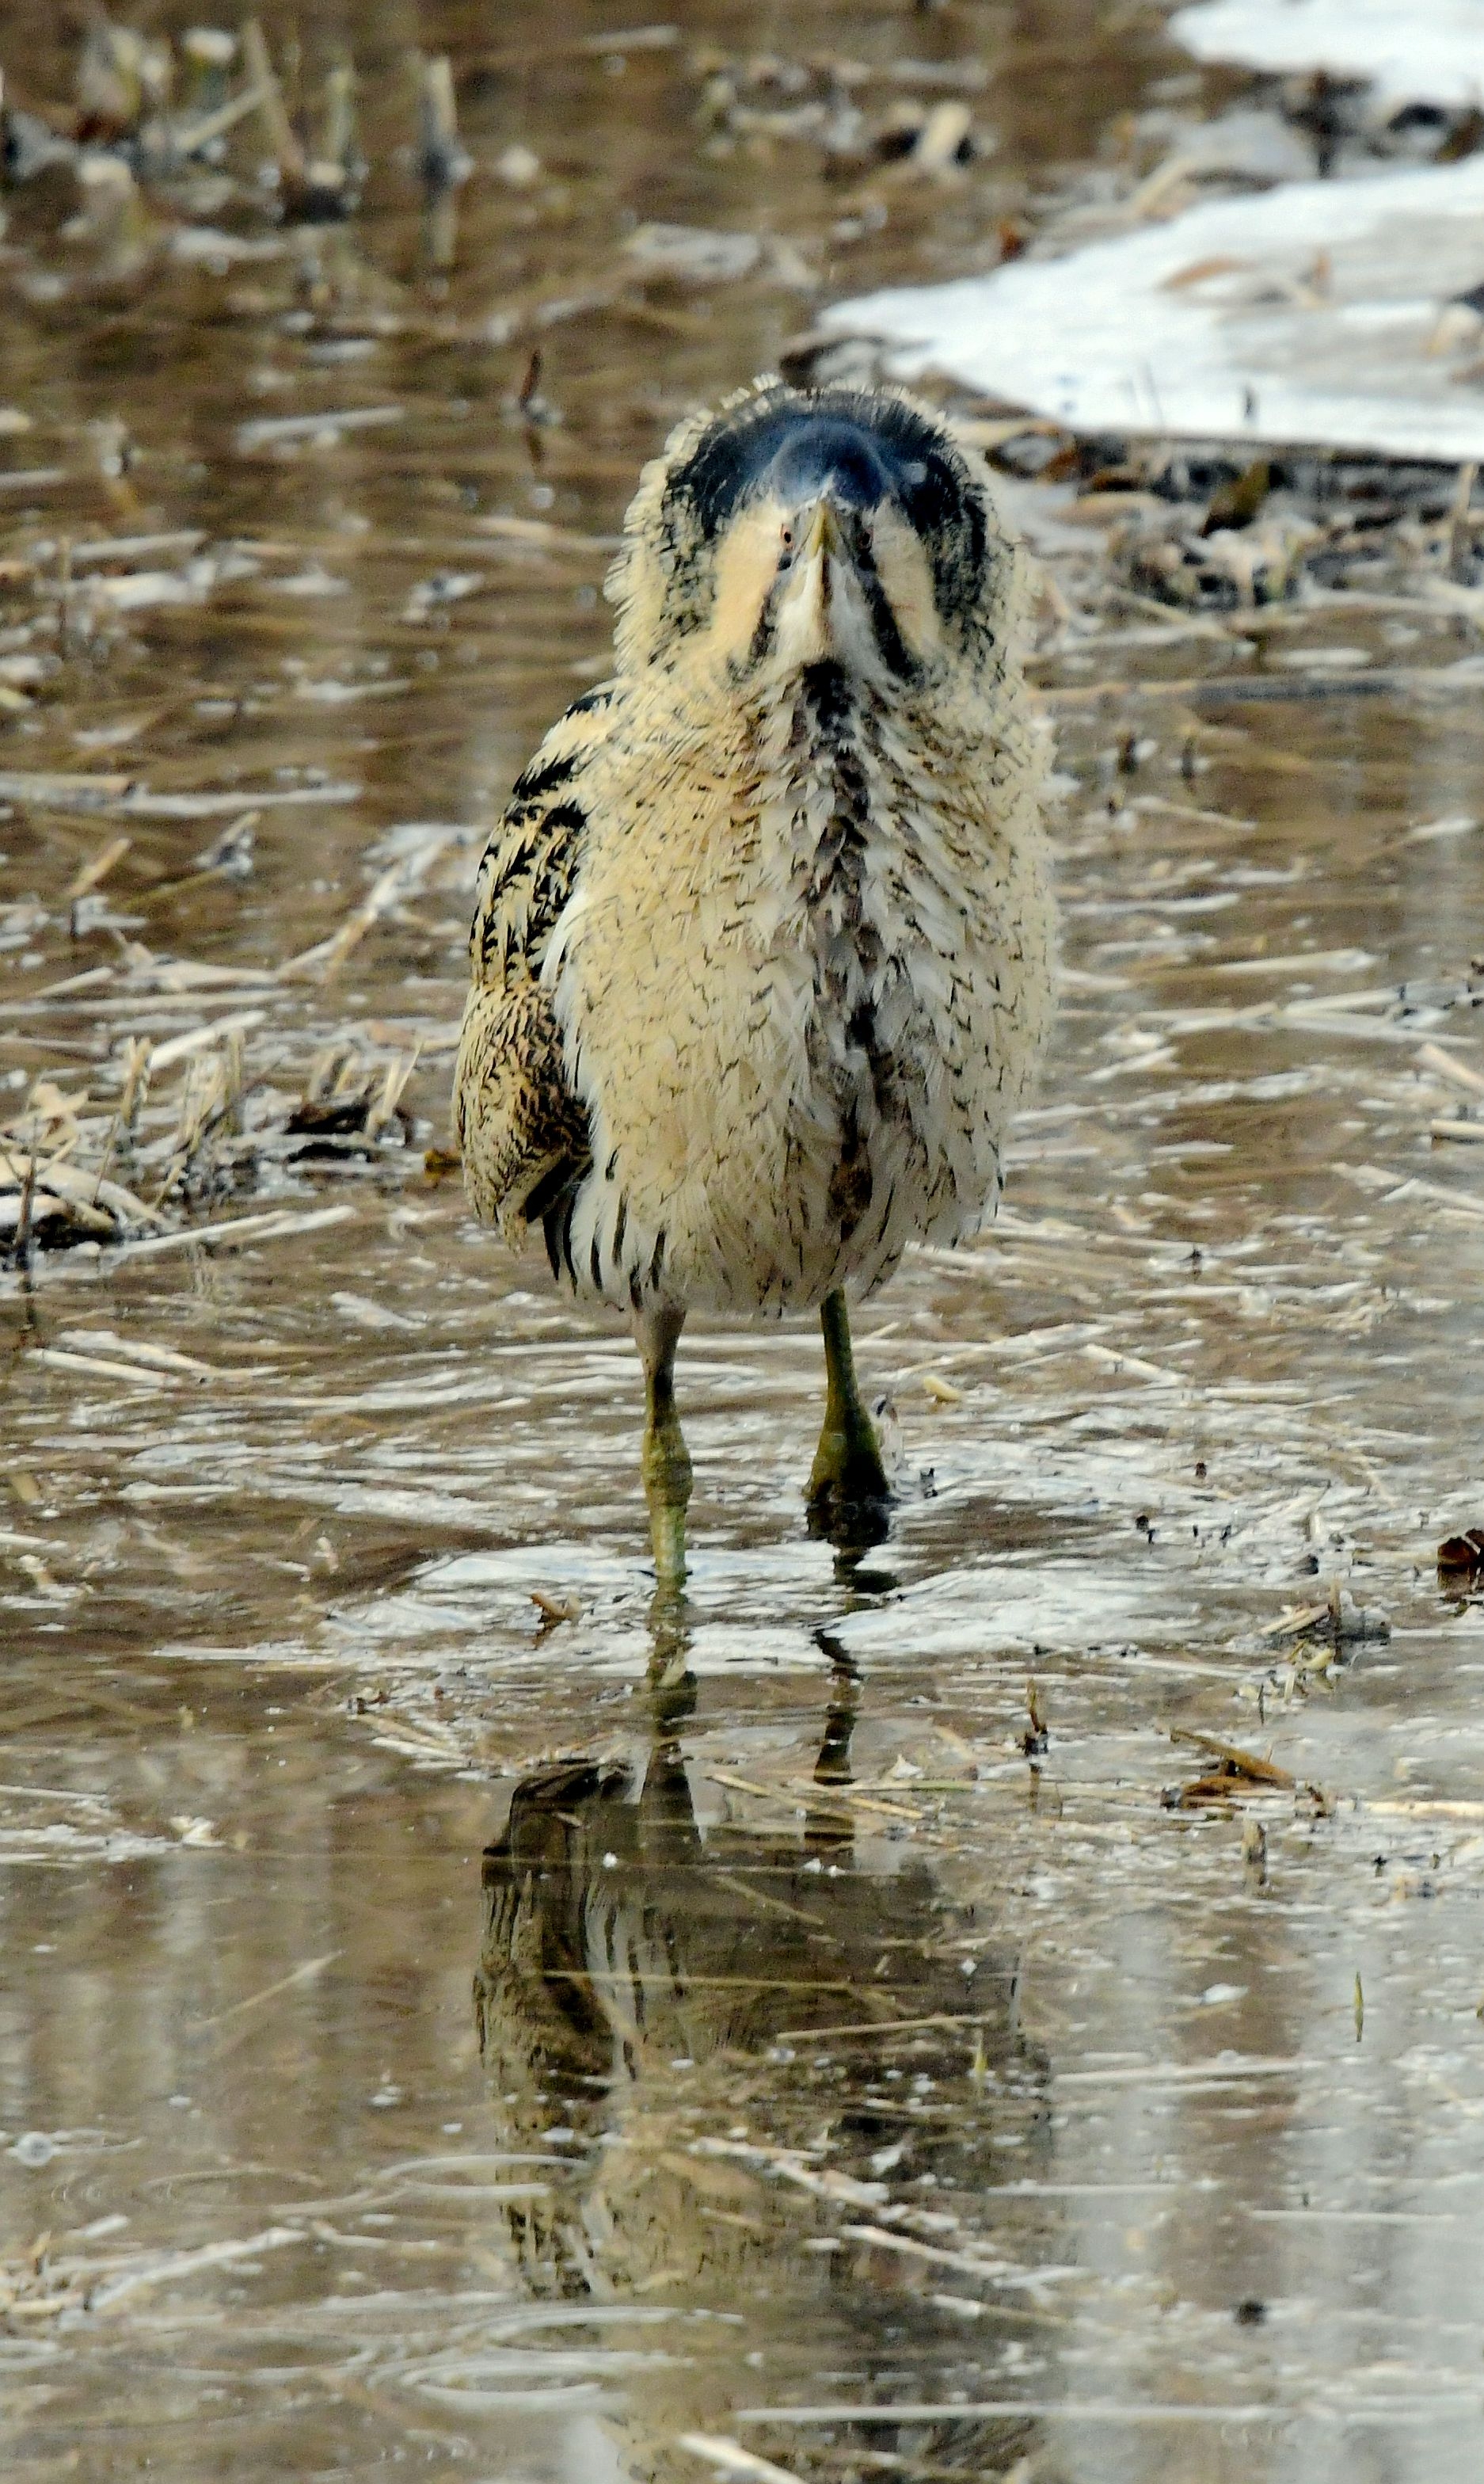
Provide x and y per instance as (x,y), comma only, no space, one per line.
(1235,1770)
(1460,1556)
(1200,269)
(1234,505)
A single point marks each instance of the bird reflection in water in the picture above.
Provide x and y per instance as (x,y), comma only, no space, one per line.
(784,2098)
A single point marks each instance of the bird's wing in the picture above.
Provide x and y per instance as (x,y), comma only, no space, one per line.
(523,1130)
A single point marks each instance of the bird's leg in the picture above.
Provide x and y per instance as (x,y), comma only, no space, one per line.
(667,1458)
(848,1470)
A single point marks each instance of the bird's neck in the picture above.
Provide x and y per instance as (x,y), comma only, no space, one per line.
(829,754)
(818,716)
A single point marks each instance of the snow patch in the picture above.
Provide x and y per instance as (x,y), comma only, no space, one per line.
(1432,54)
(1310,314)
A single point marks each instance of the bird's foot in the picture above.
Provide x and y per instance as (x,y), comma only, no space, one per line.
(849,1495)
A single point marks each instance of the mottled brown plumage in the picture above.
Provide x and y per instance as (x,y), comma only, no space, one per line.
(762,957)
(523,1130)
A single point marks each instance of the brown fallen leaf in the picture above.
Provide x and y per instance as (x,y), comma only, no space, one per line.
(1235,1769)
(1235,1761)
(553,1610)
(1460,1556)
(1235,504)
(1214,1786)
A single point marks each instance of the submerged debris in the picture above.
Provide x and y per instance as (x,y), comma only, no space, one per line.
(1340,1621)
(152,118)
(348,1099)
(183,1112)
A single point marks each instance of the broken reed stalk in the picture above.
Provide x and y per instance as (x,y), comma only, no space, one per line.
(1458,534)
(21,1246)
(138,1051)
(205,1106)
(394,1087)
(115,1127)
(194,135)
(233,1081)
(318,964)
(279,130)
(340,137)
(93,873)
(443,162)
(729,2458)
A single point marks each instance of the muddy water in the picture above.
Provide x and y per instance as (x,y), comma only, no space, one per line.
(476,2036)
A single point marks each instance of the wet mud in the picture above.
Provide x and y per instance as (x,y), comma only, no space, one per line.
(1002,2001)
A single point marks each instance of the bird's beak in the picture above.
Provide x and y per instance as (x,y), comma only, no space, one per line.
(823,532)
(820,586)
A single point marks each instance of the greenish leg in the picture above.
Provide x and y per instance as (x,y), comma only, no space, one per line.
(848,1470)
(667,1458)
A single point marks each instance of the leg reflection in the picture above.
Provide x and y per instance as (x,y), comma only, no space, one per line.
(830,1828)
(756,2014)
(672,1685)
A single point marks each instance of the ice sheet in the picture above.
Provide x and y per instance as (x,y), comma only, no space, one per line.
(1432,53)
(1309,314)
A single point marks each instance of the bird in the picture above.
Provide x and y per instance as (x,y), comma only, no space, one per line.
(763,955)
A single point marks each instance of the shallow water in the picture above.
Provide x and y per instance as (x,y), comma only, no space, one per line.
(448,2033)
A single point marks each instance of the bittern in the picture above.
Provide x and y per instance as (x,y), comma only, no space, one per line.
(763,950)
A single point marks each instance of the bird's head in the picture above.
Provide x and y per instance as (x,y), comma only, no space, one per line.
(797,528)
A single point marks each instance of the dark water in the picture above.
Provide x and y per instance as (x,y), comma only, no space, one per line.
(448,2035)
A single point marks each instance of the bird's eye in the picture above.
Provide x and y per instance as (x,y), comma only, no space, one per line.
(788,538)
